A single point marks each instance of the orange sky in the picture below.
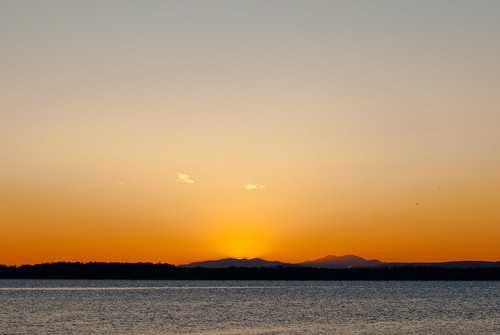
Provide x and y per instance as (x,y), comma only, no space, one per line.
(180,132)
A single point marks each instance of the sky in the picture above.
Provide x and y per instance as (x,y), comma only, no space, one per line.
(182,131)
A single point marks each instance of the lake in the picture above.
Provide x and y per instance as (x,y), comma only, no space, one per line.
(248,307)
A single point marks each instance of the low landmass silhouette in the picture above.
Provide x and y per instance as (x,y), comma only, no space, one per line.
(347,267)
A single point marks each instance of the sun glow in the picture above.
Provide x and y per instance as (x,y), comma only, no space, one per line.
(243,242)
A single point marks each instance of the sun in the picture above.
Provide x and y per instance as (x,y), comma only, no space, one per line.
(242,242)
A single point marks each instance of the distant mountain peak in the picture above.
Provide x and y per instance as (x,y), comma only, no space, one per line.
(345,261)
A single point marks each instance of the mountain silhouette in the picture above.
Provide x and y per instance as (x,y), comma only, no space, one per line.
(338,262)
(330,262)
(235,262)
(333,262)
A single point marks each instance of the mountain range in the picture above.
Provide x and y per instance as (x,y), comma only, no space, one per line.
(333,262)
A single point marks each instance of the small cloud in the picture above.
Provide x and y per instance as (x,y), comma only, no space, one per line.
(185,178)
(252,187)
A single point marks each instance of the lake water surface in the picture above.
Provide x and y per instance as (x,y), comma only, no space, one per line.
(248,307)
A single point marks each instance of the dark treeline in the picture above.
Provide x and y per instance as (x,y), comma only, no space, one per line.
(93,270)
(63,270)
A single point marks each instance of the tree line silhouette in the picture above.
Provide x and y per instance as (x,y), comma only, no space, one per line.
(98,270)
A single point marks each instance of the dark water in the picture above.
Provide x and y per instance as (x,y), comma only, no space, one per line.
(248,307)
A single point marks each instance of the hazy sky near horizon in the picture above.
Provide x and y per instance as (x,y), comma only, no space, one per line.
(180,131)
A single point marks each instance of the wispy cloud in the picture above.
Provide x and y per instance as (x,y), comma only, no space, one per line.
(252,187)
(185,178)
